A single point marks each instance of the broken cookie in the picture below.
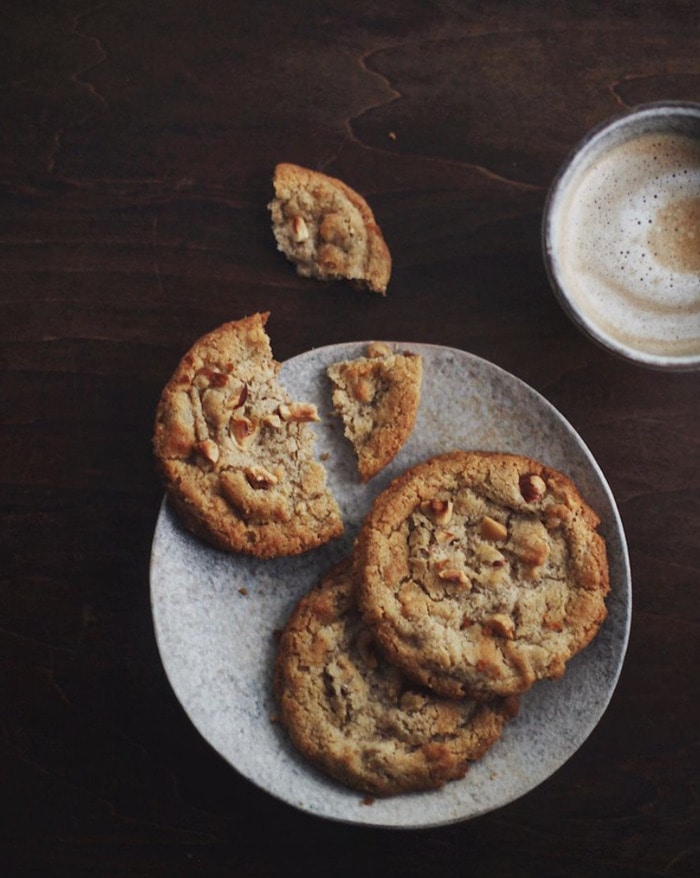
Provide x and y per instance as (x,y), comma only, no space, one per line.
(377,398)
(236,454)
(327,229)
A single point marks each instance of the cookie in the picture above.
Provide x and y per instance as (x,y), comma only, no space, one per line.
(236,454)
(377,398)
(481,573)
(327,230)
(356,717)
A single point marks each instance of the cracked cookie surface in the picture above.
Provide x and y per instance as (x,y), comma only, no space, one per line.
(356,717)
(236,454)
(377,398)
(327,229)
(480,573)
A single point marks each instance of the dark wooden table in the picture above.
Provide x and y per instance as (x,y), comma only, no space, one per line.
(138,142)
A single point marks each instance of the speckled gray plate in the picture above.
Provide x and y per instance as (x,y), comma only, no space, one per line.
(215,614)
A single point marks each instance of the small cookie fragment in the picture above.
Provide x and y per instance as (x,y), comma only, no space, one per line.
(236,454)
(481,573)
(327,229)
(377,397)
(356,717)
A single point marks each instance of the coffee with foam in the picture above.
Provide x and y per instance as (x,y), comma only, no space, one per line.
(624,243)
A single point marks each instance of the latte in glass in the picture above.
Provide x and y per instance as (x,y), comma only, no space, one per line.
(622,239)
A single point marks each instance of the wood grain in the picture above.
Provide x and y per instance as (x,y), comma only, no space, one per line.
(138,142)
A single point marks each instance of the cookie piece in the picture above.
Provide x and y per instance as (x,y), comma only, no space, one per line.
(356,717)
(481,573)
(236,453)
(377,398)
(327,229)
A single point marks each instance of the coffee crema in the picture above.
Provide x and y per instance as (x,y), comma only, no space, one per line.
(625,243)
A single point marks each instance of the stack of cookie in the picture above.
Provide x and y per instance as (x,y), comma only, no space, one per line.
(474,576)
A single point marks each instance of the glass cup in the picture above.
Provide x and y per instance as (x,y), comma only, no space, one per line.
(621,235)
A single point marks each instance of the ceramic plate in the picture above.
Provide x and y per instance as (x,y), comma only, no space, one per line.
(215,614)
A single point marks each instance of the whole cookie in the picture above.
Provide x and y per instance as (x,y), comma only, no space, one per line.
(480,573)
(236,454)
(356,717)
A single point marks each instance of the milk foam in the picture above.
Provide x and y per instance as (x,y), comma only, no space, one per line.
(626,243)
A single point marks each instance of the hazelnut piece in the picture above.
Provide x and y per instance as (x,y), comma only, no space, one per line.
(492,529)
(208,449)
(260,478)
(242,430)
(242,396)
(501,625)
(439,510)
(451,574)
(300,231)
(532,487)
(298,412)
